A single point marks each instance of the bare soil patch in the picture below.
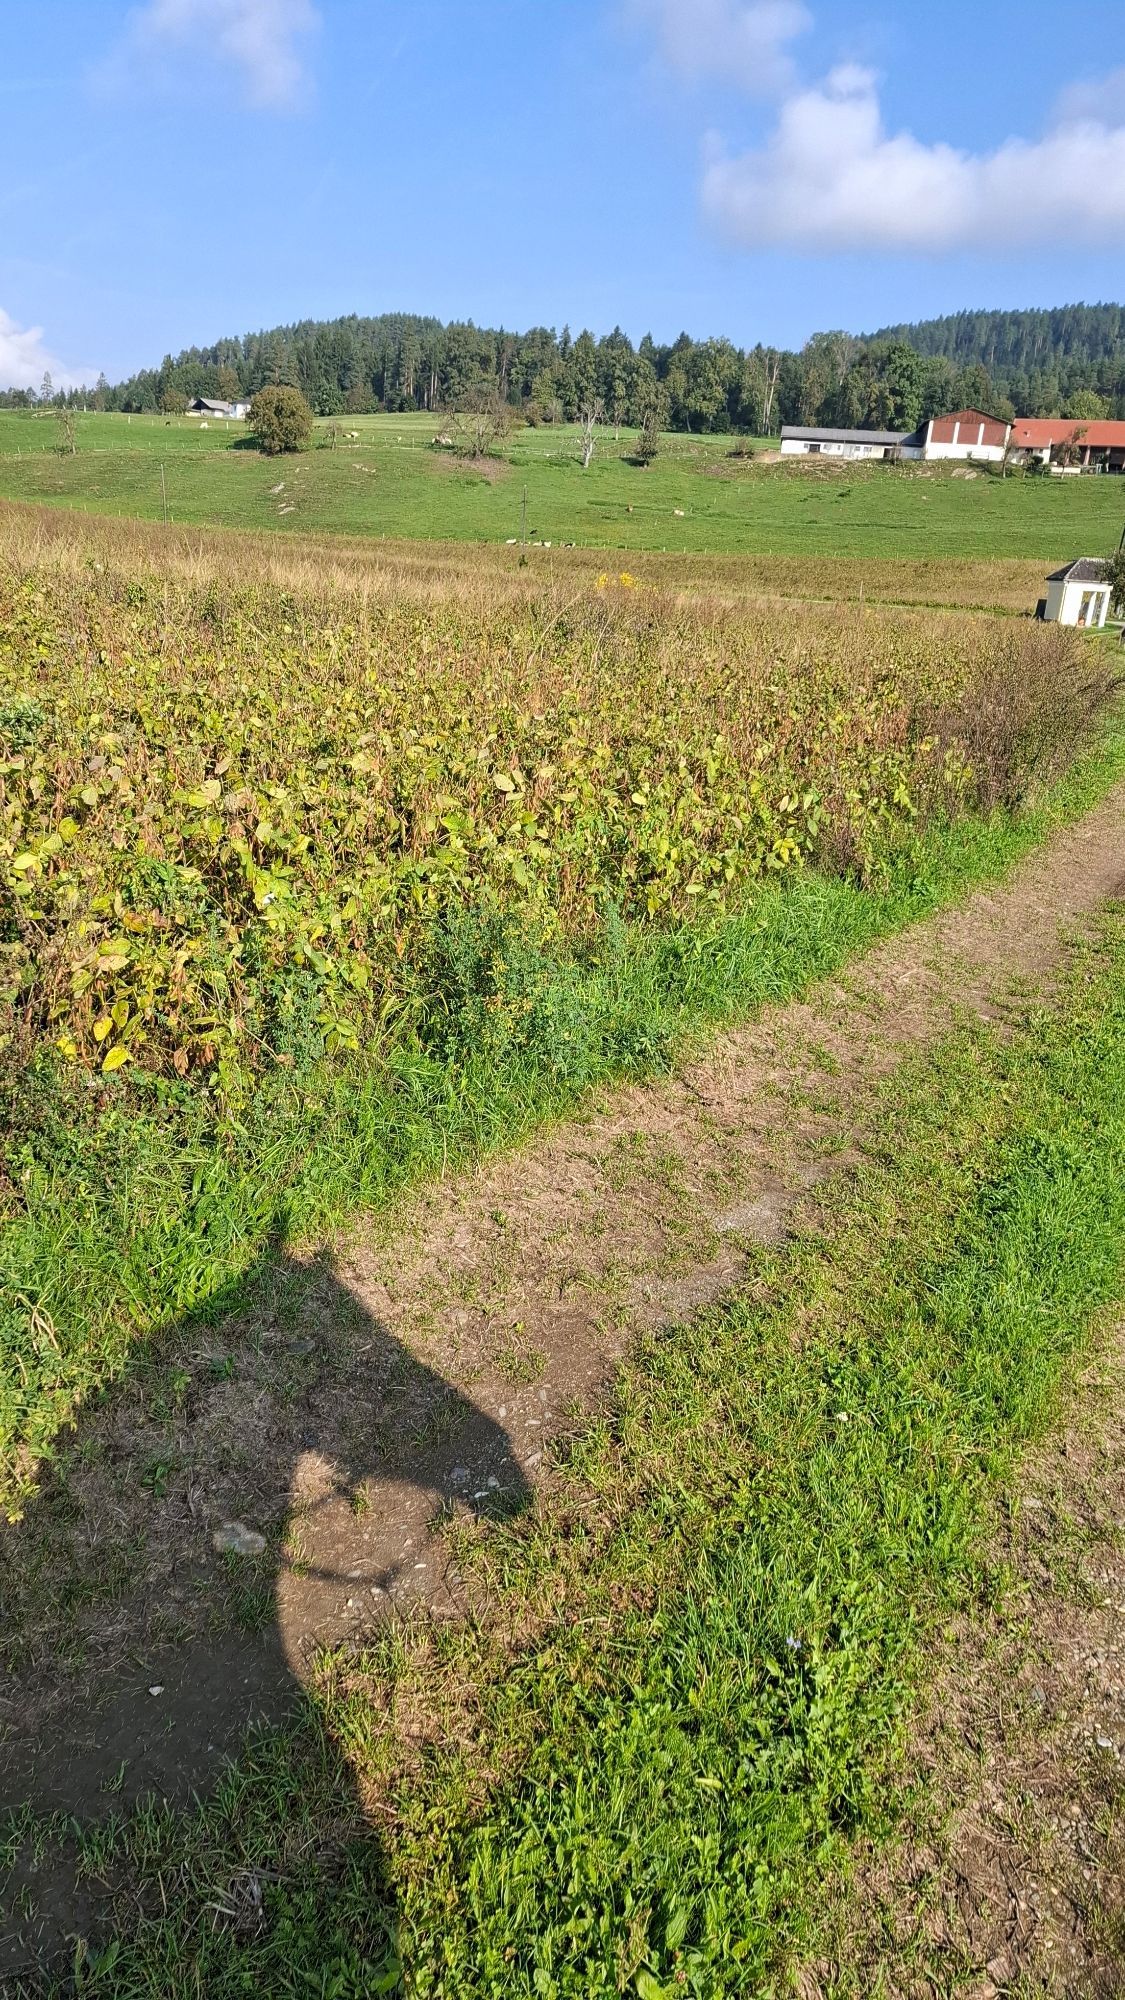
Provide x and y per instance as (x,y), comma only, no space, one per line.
(476,465)
(353,1402)
(737,465)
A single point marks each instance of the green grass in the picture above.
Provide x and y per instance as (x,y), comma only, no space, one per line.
(724,1606)
(695,498)
(134,1218)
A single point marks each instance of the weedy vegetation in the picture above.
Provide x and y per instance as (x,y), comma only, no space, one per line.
(688,1693)
(282,865)
(323,869)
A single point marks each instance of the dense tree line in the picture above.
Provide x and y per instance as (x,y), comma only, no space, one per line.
(1071,361)
(1042,360)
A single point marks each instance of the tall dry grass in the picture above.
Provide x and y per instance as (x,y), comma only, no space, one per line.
(485,575)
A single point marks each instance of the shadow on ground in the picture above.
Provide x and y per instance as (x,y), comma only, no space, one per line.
(137,1650)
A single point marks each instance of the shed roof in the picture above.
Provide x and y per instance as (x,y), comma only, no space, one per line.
(1087,569)
(816,434)
(959,416)
(1036,432)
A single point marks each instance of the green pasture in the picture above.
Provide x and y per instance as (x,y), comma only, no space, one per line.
(697,497)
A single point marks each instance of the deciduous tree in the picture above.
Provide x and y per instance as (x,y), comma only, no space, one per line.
(1115,577)
(590,416)
(280,419)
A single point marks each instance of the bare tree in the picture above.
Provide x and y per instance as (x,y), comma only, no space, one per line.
(590,416)
(483,424)
(771,370)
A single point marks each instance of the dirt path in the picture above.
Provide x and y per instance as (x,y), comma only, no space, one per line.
(1009,1874)
(422,1368)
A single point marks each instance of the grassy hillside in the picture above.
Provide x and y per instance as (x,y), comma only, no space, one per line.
(697,497)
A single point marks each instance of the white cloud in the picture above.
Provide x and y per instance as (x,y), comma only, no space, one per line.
(24,360)
(1101,99)
(258,39)
(831,177)
(745,42)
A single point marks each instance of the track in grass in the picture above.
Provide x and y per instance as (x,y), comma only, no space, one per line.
(337,1530)
(372,1408)
(1006,1869)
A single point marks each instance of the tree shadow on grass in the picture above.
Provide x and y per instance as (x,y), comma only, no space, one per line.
(138,1651)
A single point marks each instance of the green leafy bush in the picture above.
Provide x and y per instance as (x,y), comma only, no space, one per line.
(280,420)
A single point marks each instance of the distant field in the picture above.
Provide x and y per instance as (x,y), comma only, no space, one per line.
(696,498)
(428,570)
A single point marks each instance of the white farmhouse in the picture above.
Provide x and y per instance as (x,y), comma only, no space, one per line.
(1078,594)
(210,406)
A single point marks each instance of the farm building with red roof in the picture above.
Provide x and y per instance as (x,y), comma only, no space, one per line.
(965,434)
(1068,440)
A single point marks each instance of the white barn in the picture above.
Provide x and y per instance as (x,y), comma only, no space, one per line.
(809,440)
(1078,594)
(967,434)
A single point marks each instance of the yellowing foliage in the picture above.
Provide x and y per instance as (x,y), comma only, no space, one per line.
(222,803)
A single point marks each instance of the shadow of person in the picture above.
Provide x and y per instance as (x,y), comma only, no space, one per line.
(260,1486)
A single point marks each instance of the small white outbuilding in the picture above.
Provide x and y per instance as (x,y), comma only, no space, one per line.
(1078,594)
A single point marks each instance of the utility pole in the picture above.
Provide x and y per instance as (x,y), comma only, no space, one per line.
(523,519)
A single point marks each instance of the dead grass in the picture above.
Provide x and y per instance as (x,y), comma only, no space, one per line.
(485,577)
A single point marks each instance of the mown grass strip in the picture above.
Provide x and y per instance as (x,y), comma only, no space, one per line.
(150,1219)
(697,1654)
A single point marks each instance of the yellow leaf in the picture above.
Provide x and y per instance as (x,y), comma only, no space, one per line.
(116,1057)
(206,794)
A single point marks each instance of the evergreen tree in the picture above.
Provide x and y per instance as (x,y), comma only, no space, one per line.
(1036,363)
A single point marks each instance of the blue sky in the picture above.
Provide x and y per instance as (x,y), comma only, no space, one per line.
(175,170)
